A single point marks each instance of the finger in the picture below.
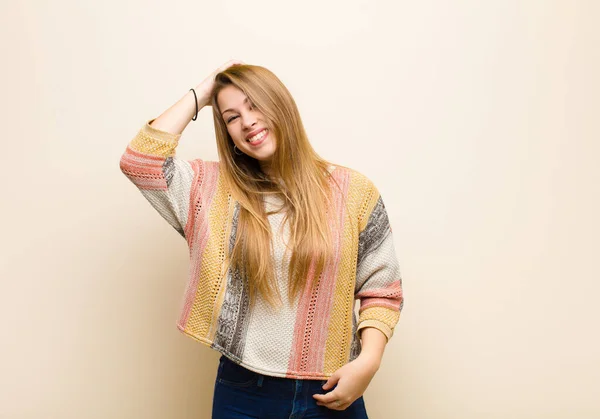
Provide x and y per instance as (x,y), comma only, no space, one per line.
(319,398)
(332,381)
(327,398)
(336,406)
(224,66)
(230,63)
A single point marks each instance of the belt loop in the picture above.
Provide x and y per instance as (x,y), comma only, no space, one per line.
(260,380)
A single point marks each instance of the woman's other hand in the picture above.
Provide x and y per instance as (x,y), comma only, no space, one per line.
(204,89)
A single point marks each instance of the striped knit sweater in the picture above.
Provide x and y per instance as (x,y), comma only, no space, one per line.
(318,333)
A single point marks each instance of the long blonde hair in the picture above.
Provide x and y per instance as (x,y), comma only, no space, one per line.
(298,175)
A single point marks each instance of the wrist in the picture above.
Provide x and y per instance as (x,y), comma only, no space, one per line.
(372,360)
(203,96)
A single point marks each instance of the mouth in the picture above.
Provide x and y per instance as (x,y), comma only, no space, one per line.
(257,138)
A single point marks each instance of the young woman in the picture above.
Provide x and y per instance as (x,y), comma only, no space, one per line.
(282,243)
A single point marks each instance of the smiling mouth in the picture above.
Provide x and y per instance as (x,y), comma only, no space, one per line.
(258,137)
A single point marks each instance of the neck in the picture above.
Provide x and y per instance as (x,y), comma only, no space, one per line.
(265,167)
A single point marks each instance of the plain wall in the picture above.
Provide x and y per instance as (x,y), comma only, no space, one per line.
(478,122)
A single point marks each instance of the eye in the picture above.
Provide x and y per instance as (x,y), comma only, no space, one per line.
(231,119)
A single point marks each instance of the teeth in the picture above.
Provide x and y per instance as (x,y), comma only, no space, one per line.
(257,136)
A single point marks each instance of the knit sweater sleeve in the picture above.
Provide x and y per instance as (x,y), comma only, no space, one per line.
(165,180)
(378,280)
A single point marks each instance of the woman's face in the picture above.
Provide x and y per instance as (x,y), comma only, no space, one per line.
(246,125)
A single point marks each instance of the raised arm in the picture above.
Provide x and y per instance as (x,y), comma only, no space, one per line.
(149,160)
(177,117)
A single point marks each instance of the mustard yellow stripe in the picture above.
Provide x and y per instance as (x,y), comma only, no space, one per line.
(370,196)
(339,335)
(384,328)
(211,284)
(155,142)
(382,318)
(223,253)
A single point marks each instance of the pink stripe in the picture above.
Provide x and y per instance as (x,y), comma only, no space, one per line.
(314,310)
(379,302)
(141,155)
(390,297)
(326,292)
(201,196)
(393,290)
(144,171)
(300,327)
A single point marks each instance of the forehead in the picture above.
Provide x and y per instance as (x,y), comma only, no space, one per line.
(230,97)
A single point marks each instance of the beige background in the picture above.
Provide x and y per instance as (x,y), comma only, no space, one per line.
(478,121)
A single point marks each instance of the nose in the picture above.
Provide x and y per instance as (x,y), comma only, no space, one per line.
(249,120)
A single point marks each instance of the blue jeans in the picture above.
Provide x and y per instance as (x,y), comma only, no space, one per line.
(241,394)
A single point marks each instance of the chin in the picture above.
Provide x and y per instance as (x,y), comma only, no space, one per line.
(264,157)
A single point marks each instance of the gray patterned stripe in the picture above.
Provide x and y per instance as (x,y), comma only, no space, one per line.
(356,346)
(168,169)
(377,229)
(234,317)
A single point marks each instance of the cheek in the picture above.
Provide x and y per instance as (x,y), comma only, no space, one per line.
(231,132)
(236,133)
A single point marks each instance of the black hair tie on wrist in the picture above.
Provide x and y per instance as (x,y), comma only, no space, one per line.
(195,101)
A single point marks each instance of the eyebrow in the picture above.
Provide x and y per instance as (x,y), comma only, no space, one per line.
(231,110)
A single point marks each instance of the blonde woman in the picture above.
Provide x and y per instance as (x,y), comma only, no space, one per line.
(282,243)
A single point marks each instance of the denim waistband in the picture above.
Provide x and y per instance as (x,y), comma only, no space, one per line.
(284,384)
